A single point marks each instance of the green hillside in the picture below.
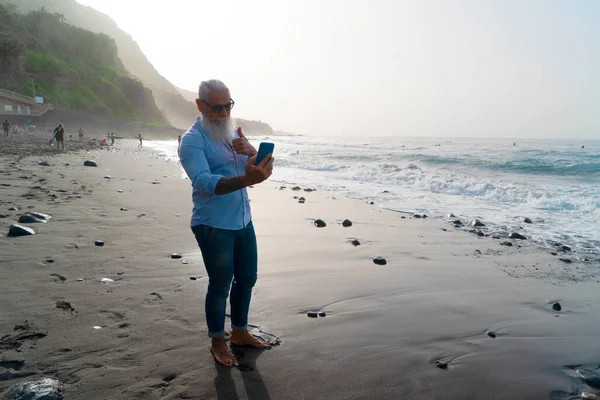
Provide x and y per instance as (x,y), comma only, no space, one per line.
(69,66)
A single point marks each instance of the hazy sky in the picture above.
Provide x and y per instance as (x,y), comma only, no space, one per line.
(526,68)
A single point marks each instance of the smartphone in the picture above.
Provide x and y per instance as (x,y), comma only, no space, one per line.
(264,149)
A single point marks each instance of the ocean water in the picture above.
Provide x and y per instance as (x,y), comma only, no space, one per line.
(555,183)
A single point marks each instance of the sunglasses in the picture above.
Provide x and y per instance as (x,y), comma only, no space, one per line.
(219,107)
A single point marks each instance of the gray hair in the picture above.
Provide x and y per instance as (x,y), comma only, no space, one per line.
(214,85)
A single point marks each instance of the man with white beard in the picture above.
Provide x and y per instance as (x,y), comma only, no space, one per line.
(220,164)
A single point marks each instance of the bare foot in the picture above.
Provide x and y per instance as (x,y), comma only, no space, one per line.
(245,338)
(222,354)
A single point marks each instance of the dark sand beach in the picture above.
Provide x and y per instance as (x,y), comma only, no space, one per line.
(143,336)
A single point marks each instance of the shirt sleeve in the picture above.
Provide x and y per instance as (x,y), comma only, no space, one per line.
(193,159)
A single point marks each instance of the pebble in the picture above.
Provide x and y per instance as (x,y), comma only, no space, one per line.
(124,209)
(491,334)
(417,216)
(24,177)
(322,314)
(19,230)
(44,163)
(566,248)
(517,236)
(312,314)
(176,256)
(295,188)
(185,262)
(107,177)
(457,222)
(43,389)
(441,365)
(380,261)
(97,327)
(566,260)
(589,396)
(13,209)
(451,215)
(346,223)
(476,223)
(178,215)
(120,191)
(319,223)
(155,182)
(371,202)
(308,190)
(4,215)
(193,278)
(64,305)
(509,244)
(527,221)
(99,243)
(80,280)
(556,307)
(43,216)
(30,219)
(107,280)
(355,242)
(50,261)
(90,163)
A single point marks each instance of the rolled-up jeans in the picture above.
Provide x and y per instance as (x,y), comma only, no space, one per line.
(231,260)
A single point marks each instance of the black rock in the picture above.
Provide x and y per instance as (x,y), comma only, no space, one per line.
(193,278)
(528,221)
(451,215)
(64,305)
(38,215)
(457,222)
(566,248)
(301,201)
(176,256)
(50,261)
(30,219)
(566,260)
(554,253)
(371,202)
(295,188)
(424,216)
(515,235)
(556,307)
(385,191)
(417,216)
(99,243)
(107,177)
(346,223)
(308,190)
(491,334)
(296,197)
(43,389)
(90,163)
(19,230)
(476,223)
(322,314)
(380,261)
(403,217)
(124,209)
(591,378)
(355,242)
(155,182)
(4,215)
(13,209)
(319,223)
(24,177)
(312,314)
(281,187)
(44,163)
(509,244)
(441,365)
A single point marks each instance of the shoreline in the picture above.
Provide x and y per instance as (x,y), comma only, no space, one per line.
(386,326)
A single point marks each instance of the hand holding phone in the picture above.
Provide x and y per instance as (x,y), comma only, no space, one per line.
(264,149)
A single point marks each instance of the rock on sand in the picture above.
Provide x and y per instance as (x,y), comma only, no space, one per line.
(19,230)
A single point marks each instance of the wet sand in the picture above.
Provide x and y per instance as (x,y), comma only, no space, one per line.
(385,326)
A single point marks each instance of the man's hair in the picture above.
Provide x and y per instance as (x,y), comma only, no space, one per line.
(214,85)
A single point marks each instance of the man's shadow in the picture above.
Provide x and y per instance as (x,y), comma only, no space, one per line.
(253,383)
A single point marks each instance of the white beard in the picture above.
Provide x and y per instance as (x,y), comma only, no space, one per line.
(223,131)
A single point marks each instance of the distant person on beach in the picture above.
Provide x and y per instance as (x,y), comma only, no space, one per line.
(112,138)
(178,145)
(59,136)
(139,136)
(214,155)
(6,127)
(80,134)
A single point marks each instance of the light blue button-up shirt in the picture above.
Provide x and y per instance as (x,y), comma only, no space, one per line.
(206,161)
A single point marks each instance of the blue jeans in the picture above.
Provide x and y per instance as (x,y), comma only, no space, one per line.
(229,256)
